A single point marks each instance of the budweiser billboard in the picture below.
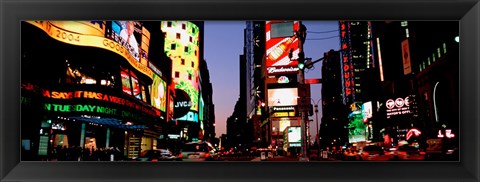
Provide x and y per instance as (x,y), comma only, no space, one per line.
(282,44)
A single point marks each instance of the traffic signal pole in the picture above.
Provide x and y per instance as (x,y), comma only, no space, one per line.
(303,114)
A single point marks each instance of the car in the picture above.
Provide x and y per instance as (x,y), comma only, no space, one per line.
(374,153)
(155,155)
(350,155)
(198,151)
(407,152)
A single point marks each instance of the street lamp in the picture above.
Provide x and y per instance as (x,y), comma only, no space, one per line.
(316,121)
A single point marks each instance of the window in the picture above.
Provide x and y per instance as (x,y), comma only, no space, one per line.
(183,61)
(196,53)
(173,46)
(178,36)
(186,49)
(433,55)
(169,24)
(444,48)
(429,62)
(177,74)
(193,64)
(438,51)
(190,76)
(191,39)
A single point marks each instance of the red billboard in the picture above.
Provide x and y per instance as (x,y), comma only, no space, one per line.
(282,44)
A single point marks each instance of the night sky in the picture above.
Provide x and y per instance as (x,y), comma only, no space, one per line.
(223,45)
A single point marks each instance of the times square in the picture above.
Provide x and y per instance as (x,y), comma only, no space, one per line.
(142,91)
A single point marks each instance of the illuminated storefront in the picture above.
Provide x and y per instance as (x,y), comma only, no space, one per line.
(97,91)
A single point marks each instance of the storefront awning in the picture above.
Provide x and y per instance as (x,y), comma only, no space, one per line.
(109,122)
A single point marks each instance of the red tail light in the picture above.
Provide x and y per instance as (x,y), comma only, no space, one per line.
(180,156)
(207,155)
(154,160)
(422,153)
(386,153)
(365,153)
(403,153)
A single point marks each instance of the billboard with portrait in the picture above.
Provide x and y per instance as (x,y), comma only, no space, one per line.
(158,94)
(128,34)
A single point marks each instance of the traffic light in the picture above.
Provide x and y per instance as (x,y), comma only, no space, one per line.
(301,60)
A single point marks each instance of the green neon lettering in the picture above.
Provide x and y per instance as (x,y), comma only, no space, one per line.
(91,108)
(48,107)
(100,109)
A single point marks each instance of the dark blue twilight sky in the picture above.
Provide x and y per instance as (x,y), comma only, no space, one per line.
(223,46)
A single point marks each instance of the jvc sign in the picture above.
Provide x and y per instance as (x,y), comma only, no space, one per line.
(181,103)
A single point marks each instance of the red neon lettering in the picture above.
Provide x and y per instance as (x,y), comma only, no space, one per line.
(348,91)
(105,97)
(46,93)
(346,75)
(346,67)
(78,94)
(345,59)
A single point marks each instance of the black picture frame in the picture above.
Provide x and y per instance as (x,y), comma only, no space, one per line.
(14,11)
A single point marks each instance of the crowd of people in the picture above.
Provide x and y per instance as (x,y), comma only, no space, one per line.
(76,153)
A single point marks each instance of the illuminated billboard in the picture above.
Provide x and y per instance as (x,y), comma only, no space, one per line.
(280,124)
(281,41)
(96,34)
(294,135)
(282,97)
(126,86)
(182,42)
(367,110)
(356,127)
(128,34)
(400,106)
(158,94)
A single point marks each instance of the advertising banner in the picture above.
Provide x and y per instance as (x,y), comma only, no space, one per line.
(158,93)
(400,106)
(68,33)
(294,135)
(282,44)
(407,67)
(282,97)
(182,45)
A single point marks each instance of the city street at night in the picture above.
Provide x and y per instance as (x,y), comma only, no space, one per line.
(240,91)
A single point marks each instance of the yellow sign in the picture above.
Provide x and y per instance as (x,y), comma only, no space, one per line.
(283,114)
(67,36)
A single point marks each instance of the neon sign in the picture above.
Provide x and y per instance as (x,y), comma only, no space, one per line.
(399,106)
(96,96)
(67,33)
(79,108)
(412,132)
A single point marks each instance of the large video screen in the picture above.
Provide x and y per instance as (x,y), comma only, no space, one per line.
(158,94)
(282,97)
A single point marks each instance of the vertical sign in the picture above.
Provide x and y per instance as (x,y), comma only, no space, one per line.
(282,44)
(407,68)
